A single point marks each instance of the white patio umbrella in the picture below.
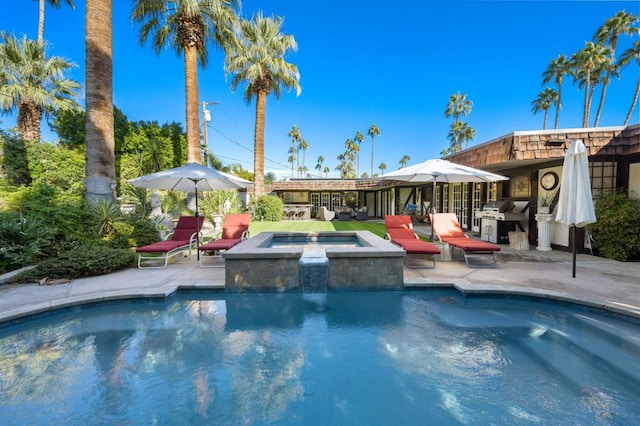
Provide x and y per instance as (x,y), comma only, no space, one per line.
(575,202)
(191,177)
(438,170)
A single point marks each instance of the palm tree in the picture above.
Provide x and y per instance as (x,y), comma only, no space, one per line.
(404,160)
(257,58)
(373,132)
(100,170)
(359,137)
(605,70)
(628,56)
(41,4)
(304,146)
(556,70)
(620,24)
(326,171)
(295,136)
(382,168)
(187,26)
(291,159)
(583,62)
(319,165)
(460,132)
(33,84)
(543,102)
(458,105)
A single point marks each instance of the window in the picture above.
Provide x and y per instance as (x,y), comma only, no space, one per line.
(603,177)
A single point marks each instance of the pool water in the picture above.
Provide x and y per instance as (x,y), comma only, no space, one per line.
(302,241)
(356,358)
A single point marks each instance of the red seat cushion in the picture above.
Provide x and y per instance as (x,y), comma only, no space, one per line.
(162,246)
(416,246)
(221,244)
(469,244)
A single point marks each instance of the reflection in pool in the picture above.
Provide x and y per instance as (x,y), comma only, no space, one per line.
(351,358)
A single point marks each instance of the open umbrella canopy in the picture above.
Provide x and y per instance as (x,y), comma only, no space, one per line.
(190,177)
(575,202)
(441,171)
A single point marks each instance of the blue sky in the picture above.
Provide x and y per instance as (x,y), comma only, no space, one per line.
(362,62)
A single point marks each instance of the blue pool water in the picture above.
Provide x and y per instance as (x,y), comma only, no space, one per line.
(352,358)
(301,241)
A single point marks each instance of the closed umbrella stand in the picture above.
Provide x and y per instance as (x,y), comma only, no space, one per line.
(575,202)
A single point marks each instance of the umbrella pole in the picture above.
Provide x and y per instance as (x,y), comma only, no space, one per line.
(197,227)
(575,249)
(433,206)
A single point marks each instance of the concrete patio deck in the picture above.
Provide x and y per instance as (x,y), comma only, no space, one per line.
(600,283)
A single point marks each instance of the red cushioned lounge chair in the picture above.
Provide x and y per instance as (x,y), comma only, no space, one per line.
(477,254)
(235,229)
(183,238)
(400,232)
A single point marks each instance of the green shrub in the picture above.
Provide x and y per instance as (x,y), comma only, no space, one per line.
(23,240)
(269,208)
(616,234)
(85,261)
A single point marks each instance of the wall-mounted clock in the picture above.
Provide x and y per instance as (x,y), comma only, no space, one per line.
(549,181)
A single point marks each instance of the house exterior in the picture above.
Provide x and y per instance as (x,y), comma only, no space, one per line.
(531,159)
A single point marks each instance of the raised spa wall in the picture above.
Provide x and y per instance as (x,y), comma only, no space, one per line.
(253,264)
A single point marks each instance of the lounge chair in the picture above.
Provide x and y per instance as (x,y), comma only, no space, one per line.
(183,237)
(477,254)
(400,232)
(235,229)
(326,214)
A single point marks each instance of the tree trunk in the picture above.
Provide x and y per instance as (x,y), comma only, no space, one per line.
(633,104)
(371,156)
(601,103)
(558,105)
(192,118)
(41,20)
(585,113)
(544,120)
(29,117)
(100,156)
(258,148)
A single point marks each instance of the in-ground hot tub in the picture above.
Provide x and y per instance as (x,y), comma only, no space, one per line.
(355,259)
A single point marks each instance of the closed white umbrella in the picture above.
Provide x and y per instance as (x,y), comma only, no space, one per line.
(438,170)
(191,177)
(575,202)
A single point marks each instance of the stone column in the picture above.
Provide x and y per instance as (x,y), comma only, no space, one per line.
(544,221)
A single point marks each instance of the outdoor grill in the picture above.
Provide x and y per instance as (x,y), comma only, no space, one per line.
(497,220)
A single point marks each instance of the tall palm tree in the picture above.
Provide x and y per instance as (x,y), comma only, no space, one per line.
(605,70)
(373,132)
(41,4)
(187,26)
(100,169)
(33,84)
(382,168)
(620,24)
(304,145)
(359,138)
(584,61)
(543,102)
(319,165)
(295,136)
(404,160)
(556,70)
(326,171)
(256,58)
(630,55)
(460,132)
(458,106)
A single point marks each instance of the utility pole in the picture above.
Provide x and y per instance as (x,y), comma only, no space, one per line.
(206,117)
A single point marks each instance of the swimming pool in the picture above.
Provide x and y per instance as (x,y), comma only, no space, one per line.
(383,357)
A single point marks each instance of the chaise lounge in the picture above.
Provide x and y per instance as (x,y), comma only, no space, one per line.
(183,237)
(477,254)
(400,232)
(235,229)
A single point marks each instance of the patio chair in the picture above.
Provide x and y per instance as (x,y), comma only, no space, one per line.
(362,213)
(235,229)
(400,232)
(183,237)
(326,214)
(477,254)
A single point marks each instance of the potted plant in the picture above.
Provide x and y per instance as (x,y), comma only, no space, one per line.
(545,199)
